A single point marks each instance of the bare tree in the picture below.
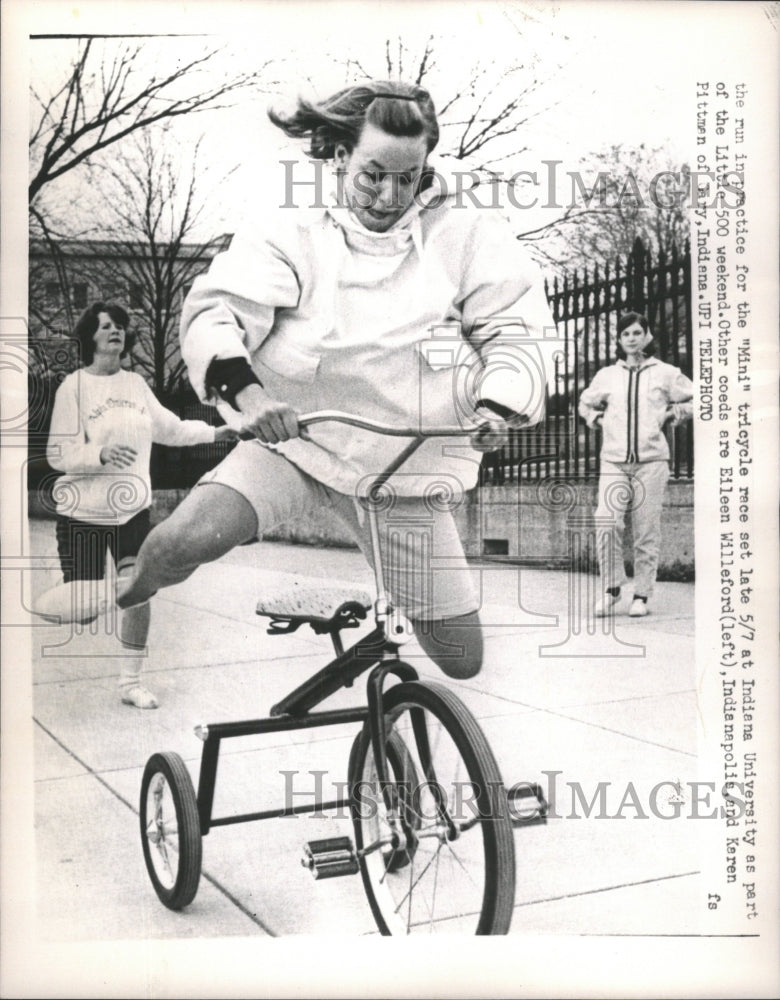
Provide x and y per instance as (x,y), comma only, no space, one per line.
(108,92)
(153,206)
(483,116)
(486,110)
(49,309)
(56,225)
(614,198)
(113,90)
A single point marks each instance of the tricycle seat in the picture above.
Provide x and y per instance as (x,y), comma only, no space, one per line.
(323,604)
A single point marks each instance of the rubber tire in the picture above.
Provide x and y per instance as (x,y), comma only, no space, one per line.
(464,730)
(190,849)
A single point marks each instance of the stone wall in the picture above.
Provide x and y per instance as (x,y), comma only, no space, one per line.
(545,524)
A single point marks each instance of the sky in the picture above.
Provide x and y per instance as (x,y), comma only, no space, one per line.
(616,71)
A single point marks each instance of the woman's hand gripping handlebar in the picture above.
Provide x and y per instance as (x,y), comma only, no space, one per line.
(279,422)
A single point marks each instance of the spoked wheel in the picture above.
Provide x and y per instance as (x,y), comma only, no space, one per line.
(170,830)
(457,874)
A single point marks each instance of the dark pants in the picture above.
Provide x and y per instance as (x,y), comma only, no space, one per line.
(82,546)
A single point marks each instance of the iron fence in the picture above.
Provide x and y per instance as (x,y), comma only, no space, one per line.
(586,306)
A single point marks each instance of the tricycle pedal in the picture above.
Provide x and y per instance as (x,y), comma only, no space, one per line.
(330,858)
(527,804)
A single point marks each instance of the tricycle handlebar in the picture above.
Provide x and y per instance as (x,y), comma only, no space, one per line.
(367,424)
(378,427)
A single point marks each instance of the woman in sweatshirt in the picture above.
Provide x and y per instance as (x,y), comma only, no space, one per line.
(631,402)
(104,421)
(392,299)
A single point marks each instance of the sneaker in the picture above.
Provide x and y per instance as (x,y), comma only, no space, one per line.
(605,604)
(80,601)
(638,608)
(138,696)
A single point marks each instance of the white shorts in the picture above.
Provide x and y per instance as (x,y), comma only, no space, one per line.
(424,565)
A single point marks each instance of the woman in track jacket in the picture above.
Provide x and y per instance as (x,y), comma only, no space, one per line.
(631,402)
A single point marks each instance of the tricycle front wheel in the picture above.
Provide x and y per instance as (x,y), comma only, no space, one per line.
(458,865)
(170,830)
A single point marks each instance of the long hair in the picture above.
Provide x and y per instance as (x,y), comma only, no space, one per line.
(627,320)
(86,328)
(400,109)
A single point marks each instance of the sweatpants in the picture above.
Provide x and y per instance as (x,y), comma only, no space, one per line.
(638,486)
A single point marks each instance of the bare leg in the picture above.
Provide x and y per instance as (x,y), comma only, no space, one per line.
(135,627)
(455,644)
(209,522)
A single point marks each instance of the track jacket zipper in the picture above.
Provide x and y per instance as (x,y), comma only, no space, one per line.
(632,423)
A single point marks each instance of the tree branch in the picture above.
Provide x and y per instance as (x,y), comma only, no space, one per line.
(77,133)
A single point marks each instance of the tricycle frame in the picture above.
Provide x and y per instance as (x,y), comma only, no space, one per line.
(389,843)
(292,713)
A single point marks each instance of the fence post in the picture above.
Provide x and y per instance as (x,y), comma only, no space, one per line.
(637,298)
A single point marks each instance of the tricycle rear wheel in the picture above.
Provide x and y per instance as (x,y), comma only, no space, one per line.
(170,830)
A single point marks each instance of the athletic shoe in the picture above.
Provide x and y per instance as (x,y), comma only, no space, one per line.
(80,601)
(139,696)
(605,605)
(638,608)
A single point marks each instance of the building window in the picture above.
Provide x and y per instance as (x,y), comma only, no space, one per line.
(80,292)
(136,298)
(52,292)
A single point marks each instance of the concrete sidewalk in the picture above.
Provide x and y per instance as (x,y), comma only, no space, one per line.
(567,705)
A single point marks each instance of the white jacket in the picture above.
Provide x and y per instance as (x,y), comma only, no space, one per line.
(634,405)
(407,327)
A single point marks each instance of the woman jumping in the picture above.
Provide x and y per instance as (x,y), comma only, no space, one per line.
(395,300)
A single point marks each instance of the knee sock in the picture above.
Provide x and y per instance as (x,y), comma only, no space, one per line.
(134,632)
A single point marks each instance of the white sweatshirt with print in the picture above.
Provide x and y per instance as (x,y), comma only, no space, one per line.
(92,411)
